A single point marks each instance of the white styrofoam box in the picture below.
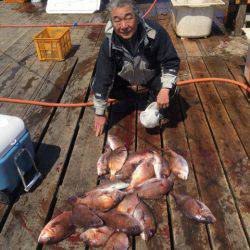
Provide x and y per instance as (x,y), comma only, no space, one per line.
(193,18)
(11,130)
(72,6)
(247,66)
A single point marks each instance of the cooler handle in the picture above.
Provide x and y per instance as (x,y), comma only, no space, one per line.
(28,186)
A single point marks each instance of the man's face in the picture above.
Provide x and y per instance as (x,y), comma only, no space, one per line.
(124,21)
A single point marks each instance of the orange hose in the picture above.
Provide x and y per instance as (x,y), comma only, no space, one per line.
(51,25)
(214,79)
(66,24)
(150,8)
(88,104)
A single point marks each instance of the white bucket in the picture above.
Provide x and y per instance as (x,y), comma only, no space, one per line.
(72,6)
(247,66)
(193,18)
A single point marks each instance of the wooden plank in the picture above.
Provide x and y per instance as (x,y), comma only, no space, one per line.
(53,87)
(81,173)
(210,46)
(27,66)
(234,101)
(11,75)
(84,174)
(235,165)
(240,19)
(39,200)
(214,191)
(28,214)
(101,36)
(191,47)
(161,239)
(122,123)
(30,83)
(186,233)
(11,54)
(10,36)
(180,49)
(236,65)
(213,45)
(17,48)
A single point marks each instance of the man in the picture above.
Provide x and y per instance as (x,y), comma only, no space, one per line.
(135,51)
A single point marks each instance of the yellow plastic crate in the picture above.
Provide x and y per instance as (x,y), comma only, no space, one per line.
(53,43)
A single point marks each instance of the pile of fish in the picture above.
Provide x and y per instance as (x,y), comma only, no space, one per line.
(116,209)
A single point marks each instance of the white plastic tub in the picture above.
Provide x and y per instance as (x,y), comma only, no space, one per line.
(247,66)
(193,18)
(72,6)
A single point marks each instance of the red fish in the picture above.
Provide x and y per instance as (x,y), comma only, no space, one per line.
(132,162)
(121,222)
(147,221)
(165,171)
(57,229)
(154,188)
(178,165)
(108,186)
(118,241)
(102,163)
(128,204)
(160,166)
(143,172)
(114,142)
(116,161)
(139,210)
(193,208)
(101,200)
(97,237)
(82,216)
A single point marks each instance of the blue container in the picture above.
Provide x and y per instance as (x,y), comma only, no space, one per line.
(13,138)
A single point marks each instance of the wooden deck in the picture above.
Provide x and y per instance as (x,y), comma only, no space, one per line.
(209,127)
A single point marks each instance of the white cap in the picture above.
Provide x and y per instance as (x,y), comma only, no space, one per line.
(150,116)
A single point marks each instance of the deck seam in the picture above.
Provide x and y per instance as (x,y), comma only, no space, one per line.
(192,161)
(169,210)
(245,93)
(68,155)
(228,114)
(220,157)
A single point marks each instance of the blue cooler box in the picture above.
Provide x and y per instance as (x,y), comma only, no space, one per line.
(16,153)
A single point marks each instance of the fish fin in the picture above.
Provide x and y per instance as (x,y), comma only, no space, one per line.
(80,194)
(129,188)
(120,150)
(72,200)
(112,177)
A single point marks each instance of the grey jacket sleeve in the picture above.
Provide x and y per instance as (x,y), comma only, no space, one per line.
(168,58)
(100,106)
(103,79)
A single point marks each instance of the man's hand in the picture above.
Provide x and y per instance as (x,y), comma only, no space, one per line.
(163,98)
(99,124)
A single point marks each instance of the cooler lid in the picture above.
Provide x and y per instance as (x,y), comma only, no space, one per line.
(11,130)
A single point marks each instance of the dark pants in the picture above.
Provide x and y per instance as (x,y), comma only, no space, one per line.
(122,90)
